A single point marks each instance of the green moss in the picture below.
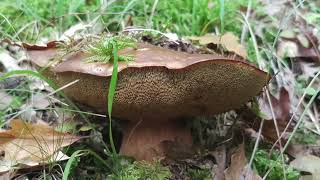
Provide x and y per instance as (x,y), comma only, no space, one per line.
(201,174)
(141,171)
(304,136)
(263,161)
(102,51)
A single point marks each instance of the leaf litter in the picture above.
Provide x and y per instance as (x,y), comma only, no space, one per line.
(228,40)
(238,168)
(32,144)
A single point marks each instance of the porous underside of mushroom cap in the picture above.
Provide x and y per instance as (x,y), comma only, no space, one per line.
(159,83)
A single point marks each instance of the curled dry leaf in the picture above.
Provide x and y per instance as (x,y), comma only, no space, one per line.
(238,168)
(228,40)
(231,43)
(40,46)
(281,109)
(27,143)
(299,44)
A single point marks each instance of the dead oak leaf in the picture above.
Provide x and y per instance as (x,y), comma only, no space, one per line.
(281,111)
(228,41)
(206,39)
(238,168)
(26,142)
(29,165)
(231,43)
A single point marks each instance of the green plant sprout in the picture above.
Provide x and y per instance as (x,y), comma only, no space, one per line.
(142,170)
(102,51)
(264,160)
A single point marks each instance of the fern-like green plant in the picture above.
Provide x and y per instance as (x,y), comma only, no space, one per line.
(102,51)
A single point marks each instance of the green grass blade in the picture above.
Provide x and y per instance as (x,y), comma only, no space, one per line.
(112,90)
(221,14)
(67,169)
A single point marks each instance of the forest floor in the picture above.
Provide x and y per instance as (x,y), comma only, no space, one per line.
(274,136)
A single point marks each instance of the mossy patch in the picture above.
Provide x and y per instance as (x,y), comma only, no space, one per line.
(102,51)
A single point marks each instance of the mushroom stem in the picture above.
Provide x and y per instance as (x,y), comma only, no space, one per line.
(143,139)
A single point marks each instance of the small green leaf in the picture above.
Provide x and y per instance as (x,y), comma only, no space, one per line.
(86,128)
(290,34)
(310,91)
(303,40)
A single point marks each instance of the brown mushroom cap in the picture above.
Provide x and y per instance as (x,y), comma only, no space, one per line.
(159,82)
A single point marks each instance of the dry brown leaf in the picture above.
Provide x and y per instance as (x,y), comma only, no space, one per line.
(206,39)
(309,69)
(220,156)
(228,40)
(307,163)
(231,43)
(238,168)
(29,165)
(27,143)
(295,150)
(281,109)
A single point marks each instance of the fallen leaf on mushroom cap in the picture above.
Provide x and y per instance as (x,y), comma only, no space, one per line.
(228,40)
(32,144)
(307,163)
(238,168)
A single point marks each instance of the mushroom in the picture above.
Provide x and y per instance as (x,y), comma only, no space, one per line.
(156,90)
